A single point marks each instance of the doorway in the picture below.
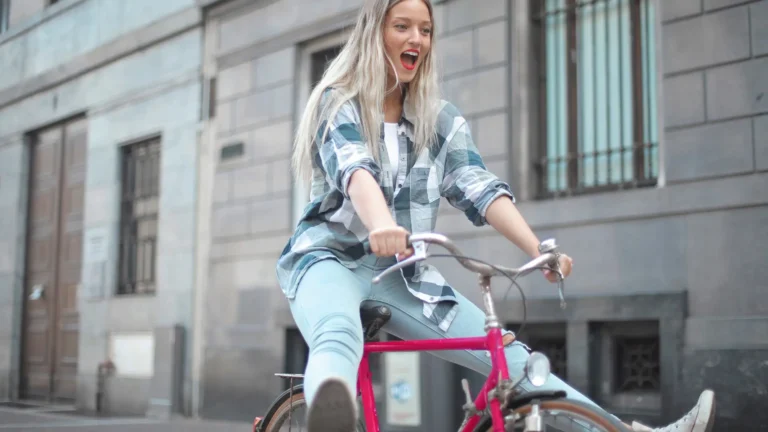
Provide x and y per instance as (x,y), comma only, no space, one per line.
(51,323)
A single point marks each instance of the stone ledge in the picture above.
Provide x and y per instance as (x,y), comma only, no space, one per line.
(104,54)
(695,197)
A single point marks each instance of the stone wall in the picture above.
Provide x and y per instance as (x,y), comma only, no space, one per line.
(133,70)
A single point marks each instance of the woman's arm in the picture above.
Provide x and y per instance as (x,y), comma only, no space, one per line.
(387,238)
(503,216)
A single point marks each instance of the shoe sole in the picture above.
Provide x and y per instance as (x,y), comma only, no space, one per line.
(333,409)
(707,409)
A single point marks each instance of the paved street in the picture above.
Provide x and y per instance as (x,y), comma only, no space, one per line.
(31,420)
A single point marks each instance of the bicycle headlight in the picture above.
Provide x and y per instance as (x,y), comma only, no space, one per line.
(537,369)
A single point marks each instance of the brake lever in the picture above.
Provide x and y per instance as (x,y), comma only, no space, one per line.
(419,254)
(560,291)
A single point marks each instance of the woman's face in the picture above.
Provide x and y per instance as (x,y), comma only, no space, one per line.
(407,37)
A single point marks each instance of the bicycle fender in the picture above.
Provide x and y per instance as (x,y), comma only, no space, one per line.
(523,399)
(259,422)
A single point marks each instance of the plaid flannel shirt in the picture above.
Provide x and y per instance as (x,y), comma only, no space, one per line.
(330,229)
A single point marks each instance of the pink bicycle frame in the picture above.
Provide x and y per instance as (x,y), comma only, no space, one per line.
(492,342)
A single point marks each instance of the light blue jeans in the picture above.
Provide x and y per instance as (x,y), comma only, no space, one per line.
(327,311)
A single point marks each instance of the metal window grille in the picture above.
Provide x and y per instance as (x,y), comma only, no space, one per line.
(597,96)
(637,364)
(138,219)
(5,11)
(555,349)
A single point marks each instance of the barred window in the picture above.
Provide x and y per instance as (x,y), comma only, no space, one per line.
(138,218)
(5,11)
(555,349)
(597,96)
(637,364)
(627,366)
(549,339)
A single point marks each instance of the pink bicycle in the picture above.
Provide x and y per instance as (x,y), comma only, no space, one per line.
(500,405)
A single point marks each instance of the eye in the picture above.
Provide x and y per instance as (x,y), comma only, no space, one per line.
(401,27)
(427,31)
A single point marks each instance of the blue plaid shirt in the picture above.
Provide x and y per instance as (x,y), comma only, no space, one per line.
(329,228)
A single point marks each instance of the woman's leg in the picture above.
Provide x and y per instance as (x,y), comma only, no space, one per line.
(327,311)
(408,322)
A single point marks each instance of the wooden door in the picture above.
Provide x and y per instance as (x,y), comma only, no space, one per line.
(53,265)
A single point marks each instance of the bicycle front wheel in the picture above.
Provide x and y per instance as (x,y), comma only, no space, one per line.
(290,413)
(562,415)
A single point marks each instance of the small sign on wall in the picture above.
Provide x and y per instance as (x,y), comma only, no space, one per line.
(403,386)
(133,354)
(96,244)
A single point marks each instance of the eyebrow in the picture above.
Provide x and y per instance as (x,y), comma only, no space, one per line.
(409,20)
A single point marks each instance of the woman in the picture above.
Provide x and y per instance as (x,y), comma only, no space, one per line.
(381,149)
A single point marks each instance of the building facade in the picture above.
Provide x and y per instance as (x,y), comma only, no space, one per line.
(633,131)
(99,120)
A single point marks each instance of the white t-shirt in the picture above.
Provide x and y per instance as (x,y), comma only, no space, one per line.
(393,148)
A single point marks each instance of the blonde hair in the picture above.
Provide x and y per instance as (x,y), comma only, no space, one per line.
(360,71)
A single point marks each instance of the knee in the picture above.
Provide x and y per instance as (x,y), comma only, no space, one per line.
(340,334)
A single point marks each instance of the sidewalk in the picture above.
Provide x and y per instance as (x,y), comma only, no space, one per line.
(36,420)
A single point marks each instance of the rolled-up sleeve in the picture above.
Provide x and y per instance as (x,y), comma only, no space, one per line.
(343,151)
(467,184)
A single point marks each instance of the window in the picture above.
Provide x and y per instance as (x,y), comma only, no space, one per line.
(138,217)
(548,339)
(637,364)
(5,12)
(296,356)
(597,102)
(627,367)
(315,58)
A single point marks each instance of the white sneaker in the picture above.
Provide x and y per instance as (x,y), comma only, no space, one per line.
(699,419)
(333,408)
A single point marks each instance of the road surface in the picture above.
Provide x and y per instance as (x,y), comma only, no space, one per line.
(40,420)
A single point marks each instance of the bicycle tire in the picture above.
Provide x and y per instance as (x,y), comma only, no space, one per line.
(284,403)
(578,409)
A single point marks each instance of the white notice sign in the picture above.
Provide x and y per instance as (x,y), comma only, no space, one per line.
(401,378)
(96,245)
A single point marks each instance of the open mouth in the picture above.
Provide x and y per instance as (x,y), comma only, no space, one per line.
(409,58)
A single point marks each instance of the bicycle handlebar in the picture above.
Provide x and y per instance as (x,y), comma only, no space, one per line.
(417,241)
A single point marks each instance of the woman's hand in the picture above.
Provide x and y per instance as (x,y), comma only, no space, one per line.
(565,264)
(388,241)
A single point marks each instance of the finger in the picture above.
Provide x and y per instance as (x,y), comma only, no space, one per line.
(406,254)
(381,245)
(391,247)
(372,243)
(401,242)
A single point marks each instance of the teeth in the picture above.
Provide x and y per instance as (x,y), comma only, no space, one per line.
(410,53)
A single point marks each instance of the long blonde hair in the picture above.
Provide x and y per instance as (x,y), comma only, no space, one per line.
(360,71)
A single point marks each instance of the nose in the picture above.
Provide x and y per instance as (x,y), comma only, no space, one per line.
(415,38)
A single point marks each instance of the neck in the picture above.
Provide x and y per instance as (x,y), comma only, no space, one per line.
(393,105)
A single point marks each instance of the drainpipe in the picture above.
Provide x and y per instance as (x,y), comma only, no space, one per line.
(104,370)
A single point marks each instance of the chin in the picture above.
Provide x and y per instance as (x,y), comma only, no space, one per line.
(407,76)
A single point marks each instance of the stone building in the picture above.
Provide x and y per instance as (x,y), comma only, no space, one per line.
(99,121)
(633,131)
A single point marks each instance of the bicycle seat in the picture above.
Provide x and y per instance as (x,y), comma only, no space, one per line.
(373,316)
